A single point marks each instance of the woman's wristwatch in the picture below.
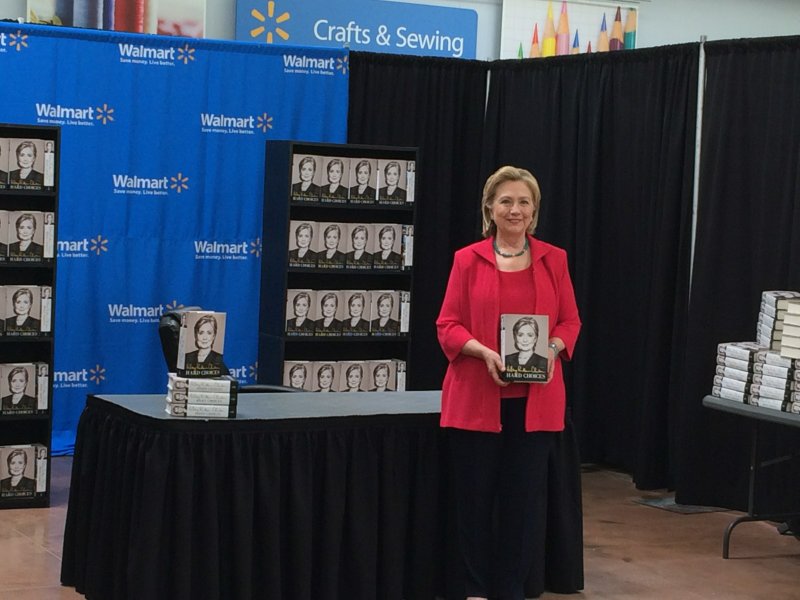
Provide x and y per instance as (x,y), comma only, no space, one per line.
(554,347)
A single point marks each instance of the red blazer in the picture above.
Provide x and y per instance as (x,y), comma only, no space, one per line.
(471,309)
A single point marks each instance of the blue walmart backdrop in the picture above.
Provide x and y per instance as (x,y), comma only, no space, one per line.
(161,186)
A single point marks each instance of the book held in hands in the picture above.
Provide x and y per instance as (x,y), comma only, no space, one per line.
(523,347)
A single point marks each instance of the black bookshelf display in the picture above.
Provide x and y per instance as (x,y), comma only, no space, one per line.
(29,158)
(287,207)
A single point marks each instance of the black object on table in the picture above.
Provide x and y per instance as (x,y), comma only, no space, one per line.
(758,415)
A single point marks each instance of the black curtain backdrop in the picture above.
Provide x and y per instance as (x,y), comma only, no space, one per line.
(610,137)
(748,240)
(435,104)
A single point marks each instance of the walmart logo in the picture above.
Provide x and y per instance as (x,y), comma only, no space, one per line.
(18,41)
(343,64)
(255,247)
(186,54)
(79,378)
(137,314)
(58,114)
(97,374)
(213,250)
(244,373)
(179,183)
(268,27)
(229,124)
(82,248)
(174,305)
(149,186)
(105,114)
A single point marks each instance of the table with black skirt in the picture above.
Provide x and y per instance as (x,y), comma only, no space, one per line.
(300,497)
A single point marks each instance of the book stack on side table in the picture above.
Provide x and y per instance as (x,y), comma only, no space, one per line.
(772,311)
(790,340)
(202,397)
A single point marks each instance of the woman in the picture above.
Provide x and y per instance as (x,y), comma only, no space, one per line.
(22,300)
(328,324)
(392,192)
(380,378)
(18,400)
(330,257)
(300,324)
(334,190)
(204,358)
(384,324)
(25,246)
(297,377)
(26,174)
(306,189)
(359,258)
(363,192)
(356,324)
(500,434)
(303,255)
(353,377)
(17,484)
(386,258)
(325,379)
(526,335)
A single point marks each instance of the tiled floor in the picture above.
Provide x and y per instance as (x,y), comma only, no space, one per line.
(632,551)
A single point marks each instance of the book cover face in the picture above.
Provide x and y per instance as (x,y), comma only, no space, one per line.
(306,177)
(391,181)
(18,389)
(359,246)
(387,246)
(297,374)
(326,376)
(385,313)
(330,313)
(17,471)
(331,245)
(202,340)
(336,175)
(300,312)
(352,377)
(357,312)
(363,180)
(23,310)
(302,238)
(26,164)
(523,347)
(382,374)
(25,236)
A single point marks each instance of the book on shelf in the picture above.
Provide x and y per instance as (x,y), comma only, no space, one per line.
(302,236)
(26,164)
(353,376)
(773,357)
(405,310)
(20,463)
(391,181)
(300,312)
(411,180)
(25,236)
(330,245)
(201,344)
(775,371)
(774,382)
(306,177)
(387,247)
(790,352)
(326,376)
(523,347)
(770,322)
(729,394)
(793,306)
(734,363)
(359,246)
(19,391)
(334,182)
(24,311)
(203,411)
(384,313)
(748,351)
(790,319)
(766,391)
(732,373)
(357,313)
(297,374)
(408,246)
(382,375)
(191,397)
(732,384)
(49,237)
(330,313)
(224,384)
(771,403)
(363,181)
(401,374)
(770,311)
(778,299)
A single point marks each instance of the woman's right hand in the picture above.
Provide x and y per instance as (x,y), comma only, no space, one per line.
(494,364)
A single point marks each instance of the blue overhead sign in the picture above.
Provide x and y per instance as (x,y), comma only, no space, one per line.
(367,25)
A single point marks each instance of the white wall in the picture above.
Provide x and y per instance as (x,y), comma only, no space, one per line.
(661,21)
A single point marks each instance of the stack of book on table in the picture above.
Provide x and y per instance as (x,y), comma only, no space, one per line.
(202,397)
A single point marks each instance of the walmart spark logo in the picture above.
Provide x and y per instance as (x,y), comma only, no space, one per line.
(343,64)
(97,374)
(186,54)
(255,247)
(98,245)
(259,16)
(105,114)
(19,40)
(179,182)
(174,305)
(253,371)
(264,122)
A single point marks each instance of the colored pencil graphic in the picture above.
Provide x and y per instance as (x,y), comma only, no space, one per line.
(589,47)
(602,40)
(630,30)
(617,42)
(535,52)
(562,37)
(576,44)
(519,52)
(549,40)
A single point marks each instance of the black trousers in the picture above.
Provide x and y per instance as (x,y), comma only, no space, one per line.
(500,484)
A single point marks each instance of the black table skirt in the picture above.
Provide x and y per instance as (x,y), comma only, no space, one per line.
(299,508)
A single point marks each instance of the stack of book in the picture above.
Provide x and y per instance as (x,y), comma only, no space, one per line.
(771,317)
(202,397)
(790,340)
(734,374)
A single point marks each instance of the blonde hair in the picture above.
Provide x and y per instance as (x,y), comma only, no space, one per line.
(496,179)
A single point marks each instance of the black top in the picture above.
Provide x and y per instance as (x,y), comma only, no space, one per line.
(368,194)
(25,484)
(362,326)
(335,327)
(393,260)
(306,327)
(33,178)
(309,258)
(33,249)
(536,362)
(398,195)
(29,324)
(340,192)
(25,403)
(365,260)
(392,327)
(311,192)
(336,260)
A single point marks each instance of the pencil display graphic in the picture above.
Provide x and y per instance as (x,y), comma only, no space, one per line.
(576,44)
(617,42)
(562,37)
(602,40)
(549,40)
(630,30)
(535,51)
(519,52)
